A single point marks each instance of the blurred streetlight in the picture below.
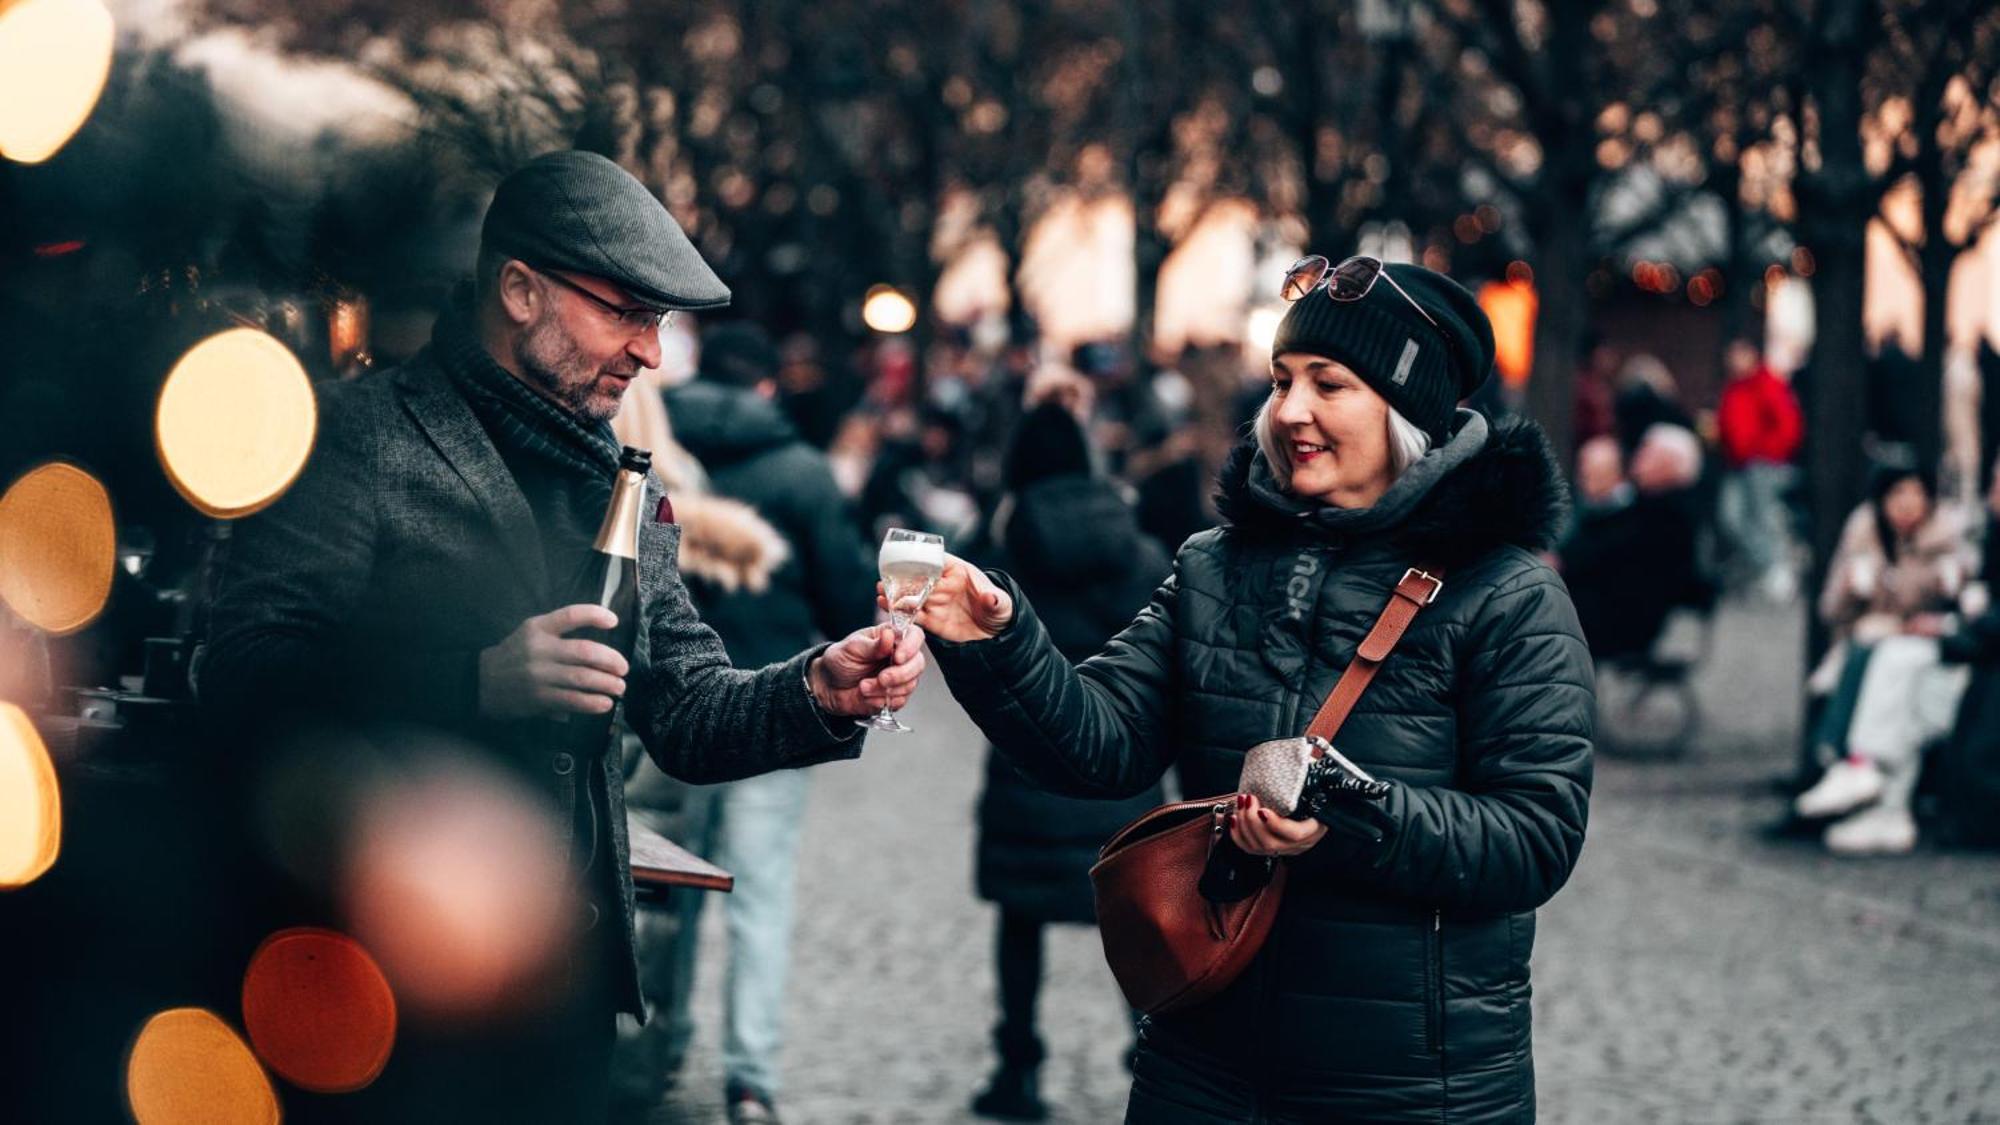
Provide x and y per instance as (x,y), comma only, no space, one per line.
(54,58)
(888,311)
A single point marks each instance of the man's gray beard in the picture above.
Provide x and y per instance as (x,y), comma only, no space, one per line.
(555,364)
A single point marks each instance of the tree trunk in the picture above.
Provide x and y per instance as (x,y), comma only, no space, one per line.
(1836,202)
(1563,316)
(1740,272)
(1934,260)
(1141,173)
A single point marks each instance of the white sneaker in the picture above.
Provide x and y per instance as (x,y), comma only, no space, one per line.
(1847,785)
(1879,830)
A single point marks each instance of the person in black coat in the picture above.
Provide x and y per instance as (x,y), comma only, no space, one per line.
(1069,537)
(1394,984)
(1969,764)
(1631,557)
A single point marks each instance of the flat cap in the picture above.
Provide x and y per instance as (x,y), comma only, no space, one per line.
(579,211)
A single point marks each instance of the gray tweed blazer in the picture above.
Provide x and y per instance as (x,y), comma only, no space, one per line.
(366,593)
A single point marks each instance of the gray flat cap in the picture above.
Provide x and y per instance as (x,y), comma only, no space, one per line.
(579,211)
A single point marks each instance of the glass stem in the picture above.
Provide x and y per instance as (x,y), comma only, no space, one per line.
(899,623)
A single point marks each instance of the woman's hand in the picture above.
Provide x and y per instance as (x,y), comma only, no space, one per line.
(964,606)
(1260,831)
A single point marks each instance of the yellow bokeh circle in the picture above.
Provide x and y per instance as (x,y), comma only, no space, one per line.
(54,58)
(235,422)
(30,806)
(58,547)
(188,1066)
(888,311)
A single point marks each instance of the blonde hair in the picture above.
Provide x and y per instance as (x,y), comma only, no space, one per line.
(1407,444)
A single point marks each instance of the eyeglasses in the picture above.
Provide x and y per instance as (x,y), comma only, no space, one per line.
(1347,282)
(632,318)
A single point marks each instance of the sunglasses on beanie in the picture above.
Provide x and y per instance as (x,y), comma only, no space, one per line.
(1348,282)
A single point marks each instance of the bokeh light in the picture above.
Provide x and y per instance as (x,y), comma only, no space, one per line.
(318,1010)
(189,1068)
(1262,329)
(456,881)
(235,422)
(54,58)
(30,802)
(58,547)
(888,311)
(1511,307)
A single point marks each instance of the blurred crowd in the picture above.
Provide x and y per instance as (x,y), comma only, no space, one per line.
(1677,507)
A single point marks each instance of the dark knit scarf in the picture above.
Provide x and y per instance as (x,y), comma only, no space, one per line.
(565,465)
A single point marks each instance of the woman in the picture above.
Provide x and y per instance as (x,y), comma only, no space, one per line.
(1895,575)
(1070,539)
(1394,985)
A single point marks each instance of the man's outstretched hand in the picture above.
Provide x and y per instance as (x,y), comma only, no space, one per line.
(868,670)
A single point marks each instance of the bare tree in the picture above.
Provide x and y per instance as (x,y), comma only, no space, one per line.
(1937,76)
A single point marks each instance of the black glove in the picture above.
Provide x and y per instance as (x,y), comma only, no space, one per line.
(1332,780)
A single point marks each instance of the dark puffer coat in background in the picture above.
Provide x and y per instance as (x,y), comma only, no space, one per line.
(826,588)
(1075,545)
(1394,986)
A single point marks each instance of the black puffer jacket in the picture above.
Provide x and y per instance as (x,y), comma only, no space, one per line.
(1394,986)
(1075,546)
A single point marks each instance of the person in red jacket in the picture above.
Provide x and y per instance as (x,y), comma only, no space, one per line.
(1760,425)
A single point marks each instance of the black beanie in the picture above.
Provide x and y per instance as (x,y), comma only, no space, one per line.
(1047,443)
(739,353)
(1394,349)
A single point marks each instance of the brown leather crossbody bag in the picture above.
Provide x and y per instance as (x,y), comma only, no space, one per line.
(1169,945)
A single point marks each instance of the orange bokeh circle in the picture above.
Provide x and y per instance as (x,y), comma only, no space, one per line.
(318,1010)
(187,1067)
(58,547)
(30,802)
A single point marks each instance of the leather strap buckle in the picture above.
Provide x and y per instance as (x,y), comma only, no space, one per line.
(1413,574)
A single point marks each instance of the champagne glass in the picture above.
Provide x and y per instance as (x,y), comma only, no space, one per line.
(911,562)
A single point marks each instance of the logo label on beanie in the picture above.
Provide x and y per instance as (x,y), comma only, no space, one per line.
(1404,364)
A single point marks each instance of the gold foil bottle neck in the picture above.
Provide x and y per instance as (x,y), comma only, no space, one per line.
(619,536)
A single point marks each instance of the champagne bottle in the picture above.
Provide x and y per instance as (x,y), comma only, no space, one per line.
(609,577)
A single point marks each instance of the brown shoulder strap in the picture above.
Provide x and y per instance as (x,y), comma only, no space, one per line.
(1417,589)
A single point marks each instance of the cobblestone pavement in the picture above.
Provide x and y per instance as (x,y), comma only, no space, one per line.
(1696,969)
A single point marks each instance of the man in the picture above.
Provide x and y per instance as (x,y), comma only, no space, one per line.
(730,421)
(411,576)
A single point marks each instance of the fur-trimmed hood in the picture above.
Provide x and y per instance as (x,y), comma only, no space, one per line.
(1509,492)
(726,543)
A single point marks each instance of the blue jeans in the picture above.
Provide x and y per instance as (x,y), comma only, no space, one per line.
(1754,514)
(751,829)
